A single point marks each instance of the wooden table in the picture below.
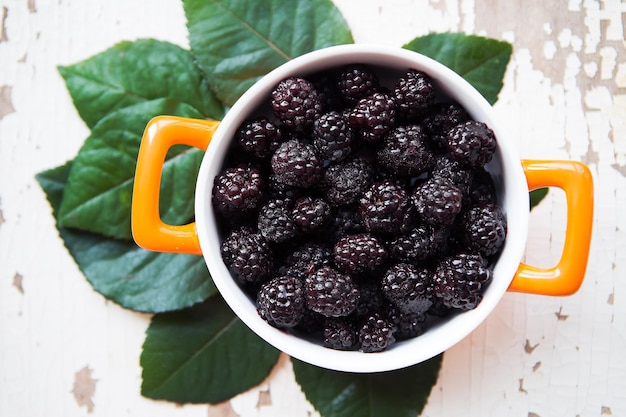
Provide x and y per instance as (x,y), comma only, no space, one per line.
(66,351)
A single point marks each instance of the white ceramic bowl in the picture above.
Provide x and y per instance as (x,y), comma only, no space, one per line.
(505,168)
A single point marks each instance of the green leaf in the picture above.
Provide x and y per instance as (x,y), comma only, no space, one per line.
(136,279)
(99,190)
(401,393)
(202,354)
(536,196)
(481,61)
(236,42)
(134,72)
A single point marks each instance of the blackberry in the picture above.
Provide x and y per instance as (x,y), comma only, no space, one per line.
(471,143)
(260,137)
(280,191)
(372,300)
(373,116)
(296,163)
(459,280)
(482,189)
(296,103)
(311,214)
(455,172)
(484,228)
(376,334)
(307,258)
(413,94)
(346,221)
(344,182)
(247,255)
(386,208)
(339,334)
(238,189)
(359,253)
(421,245)
(356,82)
(408,287)
(332,136)
(331,293)
(440,118)
(404,151)
(437,201)
(408,325)
(326,85)
(281,301)
(275,222)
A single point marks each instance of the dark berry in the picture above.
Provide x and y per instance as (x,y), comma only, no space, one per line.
(359,253)
(421,245)
(440,118)
(356,82)
(482,188)
(376,334)
(373,116)
(260,137)
(408,325)
(332,136)
(296,103)
(331,293)
(408,287)
(413,93)
(471,143)
(437,201)
(326,85)
(345,221)
(386,208)
(311,214)
(459,279)
(247,255)
(455,172)
(344,182)
(339,334)
(280,191)
(275,222)
(404,151)
(238,189)
(281,301)
(296,163)
(372,299)
(484,228)
(307,258)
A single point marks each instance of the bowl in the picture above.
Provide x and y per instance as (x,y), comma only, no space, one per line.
(513,179)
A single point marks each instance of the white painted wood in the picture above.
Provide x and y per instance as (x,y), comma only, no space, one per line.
(535,356)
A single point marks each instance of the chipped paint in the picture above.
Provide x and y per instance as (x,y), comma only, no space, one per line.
(3,28)
(84,388)
(606,411)
(536,366)
(528,348)
(560,316)
(265,399)
(17,282)
(6,103)
(223,409)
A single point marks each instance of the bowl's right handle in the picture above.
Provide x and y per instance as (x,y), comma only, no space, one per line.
(565,278)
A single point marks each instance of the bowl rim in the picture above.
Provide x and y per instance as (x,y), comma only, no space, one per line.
(435,340)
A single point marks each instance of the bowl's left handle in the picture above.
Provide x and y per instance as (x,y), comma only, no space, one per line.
(161,133)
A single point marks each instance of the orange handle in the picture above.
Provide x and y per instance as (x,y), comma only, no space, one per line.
(161,133)
(567,275)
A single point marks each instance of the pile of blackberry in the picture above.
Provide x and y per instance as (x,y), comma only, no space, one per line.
(358,213)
